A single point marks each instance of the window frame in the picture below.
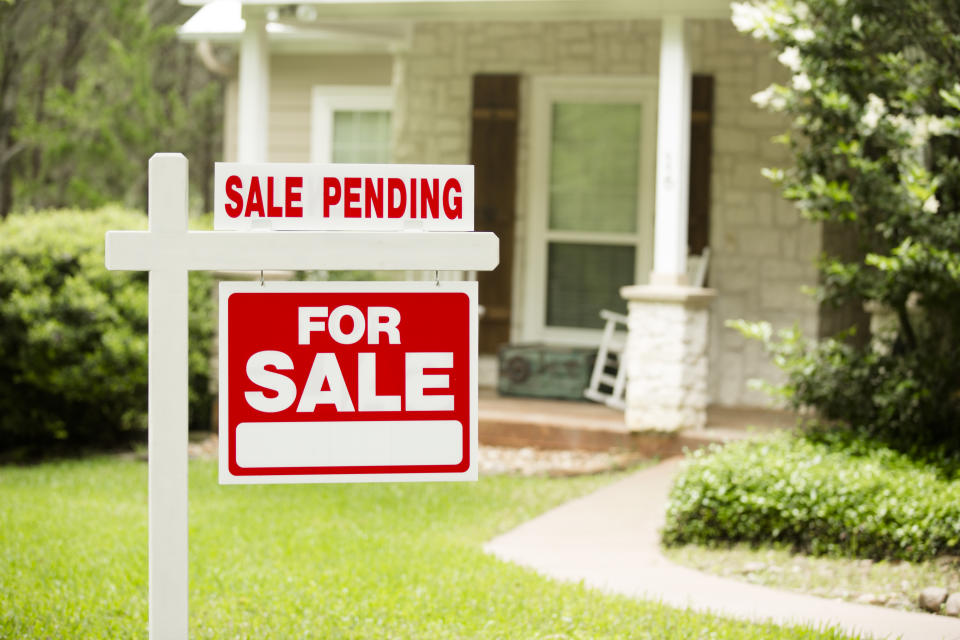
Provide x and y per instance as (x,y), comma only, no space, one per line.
(327,99)
(544,92)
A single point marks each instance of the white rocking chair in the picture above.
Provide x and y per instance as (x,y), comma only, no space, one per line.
(607,388)
(608,383)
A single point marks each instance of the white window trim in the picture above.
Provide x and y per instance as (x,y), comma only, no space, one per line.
(544,91)
(326,99)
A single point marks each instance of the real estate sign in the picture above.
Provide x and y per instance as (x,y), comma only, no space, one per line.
(348,381)
(319,382)
(343,197)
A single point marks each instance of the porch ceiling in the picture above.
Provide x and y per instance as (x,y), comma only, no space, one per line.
(421,10)
(221,21)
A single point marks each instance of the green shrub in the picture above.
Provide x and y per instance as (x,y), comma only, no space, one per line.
(904,399)
(73,336)
(825,494)
(874,144)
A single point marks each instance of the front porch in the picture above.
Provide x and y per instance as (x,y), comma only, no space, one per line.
(563,424)
(484,83)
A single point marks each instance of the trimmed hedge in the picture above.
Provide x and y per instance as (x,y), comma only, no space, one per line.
(73,336)
(824,495)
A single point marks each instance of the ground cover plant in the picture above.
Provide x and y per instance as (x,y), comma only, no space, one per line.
(824,493)
(73,336)
(338,561)
(890,583)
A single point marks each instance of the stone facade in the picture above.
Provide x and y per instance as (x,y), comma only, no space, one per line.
(667,326)
(761,251)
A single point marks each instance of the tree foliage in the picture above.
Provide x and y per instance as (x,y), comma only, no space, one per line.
(89,89)
(875,105)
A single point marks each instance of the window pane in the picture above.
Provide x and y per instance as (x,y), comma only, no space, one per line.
(582,279)
(361,136)
(594,167)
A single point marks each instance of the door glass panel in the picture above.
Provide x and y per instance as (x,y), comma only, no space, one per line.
(582,279)
(361,136)
(594,167)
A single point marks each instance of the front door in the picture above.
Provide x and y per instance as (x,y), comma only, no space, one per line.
(590,231)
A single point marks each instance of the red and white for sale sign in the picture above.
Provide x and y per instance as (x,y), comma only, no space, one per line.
(348,381)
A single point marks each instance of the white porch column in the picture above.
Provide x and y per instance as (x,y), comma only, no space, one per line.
(673,156)
(667,330)
(254,88)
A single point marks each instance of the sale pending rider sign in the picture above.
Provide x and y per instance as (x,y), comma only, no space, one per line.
(348,382)
(343,197)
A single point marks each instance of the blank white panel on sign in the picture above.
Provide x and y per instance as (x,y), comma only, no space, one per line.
(349,443)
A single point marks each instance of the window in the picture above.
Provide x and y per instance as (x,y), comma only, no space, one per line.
(351,124)
(592,150)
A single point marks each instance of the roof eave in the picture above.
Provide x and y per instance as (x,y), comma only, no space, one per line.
(432,10)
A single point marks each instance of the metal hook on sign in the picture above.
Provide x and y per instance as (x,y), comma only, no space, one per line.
(436,277)
(261,277)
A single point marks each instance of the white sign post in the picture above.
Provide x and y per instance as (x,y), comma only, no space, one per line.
(167,250)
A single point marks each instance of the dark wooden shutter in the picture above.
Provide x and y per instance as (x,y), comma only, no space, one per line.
(493,152)
(701,149)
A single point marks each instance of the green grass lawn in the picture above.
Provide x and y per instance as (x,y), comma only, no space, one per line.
(311,561)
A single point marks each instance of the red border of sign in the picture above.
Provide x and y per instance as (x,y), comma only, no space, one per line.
(232,473)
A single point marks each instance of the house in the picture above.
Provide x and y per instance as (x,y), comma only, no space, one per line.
(611,138)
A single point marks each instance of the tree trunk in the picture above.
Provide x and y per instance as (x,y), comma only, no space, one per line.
(9,85)
(6,190)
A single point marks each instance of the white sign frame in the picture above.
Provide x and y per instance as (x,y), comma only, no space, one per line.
(469,288)
(168,251)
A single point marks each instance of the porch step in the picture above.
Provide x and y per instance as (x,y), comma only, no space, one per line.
(563,424)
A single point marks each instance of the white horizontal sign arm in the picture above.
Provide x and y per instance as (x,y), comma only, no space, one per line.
(232,250)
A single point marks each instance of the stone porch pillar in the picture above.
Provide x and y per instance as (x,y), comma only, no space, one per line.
(253,88)
(666,353)
(666,357)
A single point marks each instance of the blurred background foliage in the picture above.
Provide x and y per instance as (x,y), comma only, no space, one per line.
(89,90)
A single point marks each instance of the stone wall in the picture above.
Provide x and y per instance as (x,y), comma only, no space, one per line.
(762,252)
(433,84)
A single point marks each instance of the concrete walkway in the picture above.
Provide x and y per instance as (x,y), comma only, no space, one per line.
(609,540)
